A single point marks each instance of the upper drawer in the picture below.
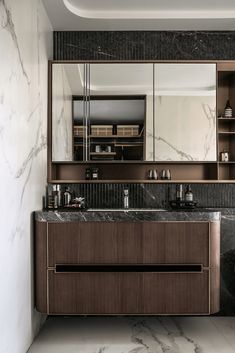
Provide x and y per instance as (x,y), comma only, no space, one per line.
(124,242)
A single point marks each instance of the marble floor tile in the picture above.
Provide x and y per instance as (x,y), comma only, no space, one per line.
(136,335)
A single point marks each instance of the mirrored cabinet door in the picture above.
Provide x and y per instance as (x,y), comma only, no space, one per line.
(68,114)
(120,112)
(185,112)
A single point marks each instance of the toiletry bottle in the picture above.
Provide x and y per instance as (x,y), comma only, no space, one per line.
(59,195)
(228,111)
(179,192)
(188,194)
(50,198)
(67,197)
(55,196)
(126,198)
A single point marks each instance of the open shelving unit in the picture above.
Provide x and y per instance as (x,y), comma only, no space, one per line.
(226,126)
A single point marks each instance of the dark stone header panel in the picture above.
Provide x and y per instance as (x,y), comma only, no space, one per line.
(144,45)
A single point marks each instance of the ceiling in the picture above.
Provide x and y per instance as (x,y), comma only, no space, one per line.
(97,15)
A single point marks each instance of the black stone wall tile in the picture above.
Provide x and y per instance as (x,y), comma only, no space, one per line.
(144,45)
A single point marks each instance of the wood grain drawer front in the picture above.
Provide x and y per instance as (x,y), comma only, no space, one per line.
(128,293)
(123,242)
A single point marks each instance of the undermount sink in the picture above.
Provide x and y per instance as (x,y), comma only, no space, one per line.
(126,209)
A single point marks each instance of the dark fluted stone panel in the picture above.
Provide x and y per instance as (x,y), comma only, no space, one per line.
(144,45)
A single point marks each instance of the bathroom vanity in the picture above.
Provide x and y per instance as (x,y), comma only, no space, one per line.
(127,262)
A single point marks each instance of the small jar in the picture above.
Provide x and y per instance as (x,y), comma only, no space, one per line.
(224,156)
(95,174)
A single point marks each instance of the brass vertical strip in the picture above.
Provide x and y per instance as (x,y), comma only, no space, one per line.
(88,109)
(85,111)
(217,124)
(209,274)
(154,112)
(48,309)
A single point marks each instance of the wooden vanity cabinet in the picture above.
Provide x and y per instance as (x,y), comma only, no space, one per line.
(127,267)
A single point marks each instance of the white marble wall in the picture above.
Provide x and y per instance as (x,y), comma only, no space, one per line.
(62,124)
(25,46)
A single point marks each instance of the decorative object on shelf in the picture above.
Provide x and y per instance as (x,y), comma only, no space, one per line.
(224,156)
(188,194)
(88,174)
(228,111)
(152,174)
(108,149)
(166,174)
(67,197)
(97,148)
(95,173)
(163,174)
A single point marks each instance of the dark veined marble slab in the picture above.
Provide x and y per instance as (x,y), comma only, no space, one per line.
(125,215)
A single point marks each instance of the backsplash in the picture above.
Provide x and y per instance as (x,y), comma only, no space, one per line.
(152,195)
(144,45)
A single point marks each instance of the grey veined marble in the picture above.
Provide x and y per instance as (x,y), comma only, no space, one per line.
(125,215)
(136,335)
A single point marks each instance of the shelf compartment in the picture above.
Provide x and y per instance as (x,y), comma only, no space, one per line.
(227,171)
(135,171)
(226,142)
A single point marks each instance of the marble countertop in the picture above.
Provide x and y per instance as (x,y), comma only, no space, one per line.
(127,215)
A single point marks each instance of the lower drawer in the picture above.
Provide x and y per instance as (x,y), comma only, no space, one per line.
(128,293)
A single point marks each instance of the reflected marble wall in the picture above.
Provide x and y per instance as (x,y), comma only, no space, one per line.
(62,137)
(185,128)
(26,45)
(149,129)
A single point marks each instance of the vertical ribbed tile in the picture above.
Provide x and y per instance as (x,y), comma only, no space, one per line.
(152,195)
(144,45)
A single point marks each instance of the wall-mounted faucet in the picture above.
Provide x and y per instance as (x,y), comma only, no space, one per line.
(126,198)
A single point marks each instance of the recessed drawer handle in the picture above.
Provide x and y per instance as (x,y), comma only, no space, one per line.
(129,268)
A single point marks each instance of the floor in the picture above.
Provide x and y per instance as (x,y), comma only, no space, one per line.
(136,335)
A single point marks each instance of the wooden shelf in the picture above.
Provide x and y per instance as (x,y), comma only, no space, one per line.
(146,181)
(226,132)
(103,153)
(226,119)
(116,136)
(229,162)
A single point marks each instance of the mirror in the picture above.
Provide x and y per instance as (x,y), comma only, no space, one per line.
(106,112)
(67,82)
(102,112)
(185,112)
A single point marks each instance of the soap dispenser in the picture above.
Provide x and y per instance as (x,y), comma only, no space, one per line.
(188,194)
(126,198)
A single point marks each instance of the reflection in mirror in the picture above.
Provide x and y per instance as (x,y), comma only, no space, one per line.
(185,112)
(120,112)
(67,81)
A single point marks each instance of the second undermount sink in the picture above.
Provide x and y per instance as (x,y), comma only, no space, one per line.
(126,210)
